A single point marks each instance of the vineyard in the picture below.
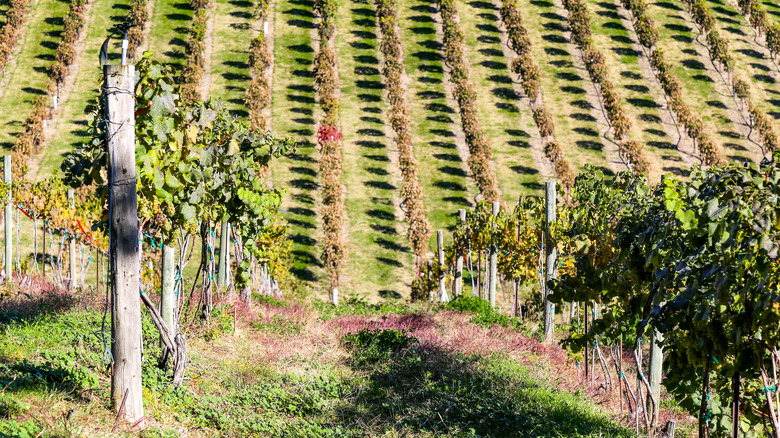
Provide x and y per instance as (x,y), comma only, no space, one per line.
(405,112)
(559,180)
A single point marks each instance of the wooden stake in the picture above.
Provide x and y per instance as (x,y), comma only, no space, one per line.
(493,268)
(224,255)
(458,283)
(9,221)
(124,248)
(168,282)
(440,248)
(550,258)
(72,248)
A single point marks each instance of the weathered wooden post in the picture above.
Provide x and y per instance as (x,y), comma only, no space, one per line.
(493,269)
(656,359)
(9,221)
(224,255)
(72,248)
(124,248)
(440,249)
(458,281)
(168,285)
(550,256)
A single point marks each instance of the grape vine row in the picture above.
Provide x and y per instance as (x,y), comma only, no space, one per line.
(192,74)
(579,22)
(329,138)
(419,230)
(480,153)
(258,94)
(528,71)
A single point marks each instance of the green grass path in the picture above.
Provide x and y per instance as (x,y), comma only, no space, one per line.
(677,39)
(71,131)
(231,37)
(442,174)
(563,85)
(171,22)
(506,120)
(293,115)
(378,251)
(618,46)
(44,26)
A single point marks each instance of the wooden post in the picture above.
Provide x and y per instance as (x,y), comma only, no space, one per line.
(428,278)
(9,222)
(550,258)
(656,359)
(168,285)
(224,255)
(458,283)
(440,247)
(587,365)
(124,248)
(72,248)
(493,269)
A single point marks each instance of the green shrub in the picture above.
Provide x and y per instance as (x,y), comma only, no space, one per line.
(484,315)
(23,429)
(375,346)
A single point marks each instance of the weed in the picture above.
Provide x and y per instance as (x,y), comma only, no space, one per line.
(22,429)
(377,346)
(269,300)
(279,326)
(484,315)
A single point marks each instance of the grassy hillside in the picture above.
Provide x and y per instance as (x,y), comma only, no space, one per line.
(304,369)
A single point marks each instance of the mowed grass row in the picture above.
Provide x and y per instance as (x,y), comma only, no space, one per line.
(618,45)
(71,129)
(563,85)
(506,120)
(171,21)
(377,246)
(230,55)
(293,112)
(442,173)
(751,60)
(28,78)
(677,41)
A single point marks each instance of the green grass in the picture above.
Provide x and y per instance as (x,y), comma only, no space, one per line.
(617,44)
(505,119)
(564,86)
(677,39)
(28,77)
(442,172)
(379,253)
(71,130)
(380,383)
(293,115)
(229,69)
(171,21)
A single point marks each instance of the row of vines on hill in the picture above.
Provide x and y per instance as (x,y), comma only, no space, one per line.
(631,151)
(514,234)
(480,153)
(258,94)
(9,34)
(757,18)
(32,134)
(718,48)
(671,85)
(329,138)
(192,74)
(528,71)
(139,15)
(419,228)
